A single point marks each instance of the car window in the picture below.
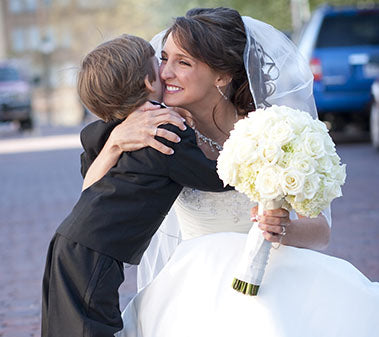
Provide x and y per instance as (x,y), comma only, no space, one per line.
(9,74)
(349,30)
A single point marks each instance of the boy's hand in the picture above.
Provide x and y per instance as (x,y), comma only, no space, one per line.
(141,126)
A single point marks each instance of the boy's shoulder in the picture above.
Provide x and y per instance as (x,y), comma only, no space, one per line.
(95,134)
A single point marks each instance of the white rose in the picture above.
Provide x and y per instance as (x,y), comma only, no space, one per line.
(281,132)
(270,152)
(268,183)
(292,181)
(330,147)
(258,114)
(335,159)
(267,128)
(297,145)
(332,190)
(256,121)
(227,154)
(228,172)
(242,128)
(303,163)
(227,165)
(311,186)
(319,126)
(313,145)
(247,151)
(325,164)
(300,120)
(340,173)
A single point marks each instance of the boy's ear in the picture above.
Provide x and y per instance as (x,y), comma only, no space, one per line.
(148,84)
(223,79)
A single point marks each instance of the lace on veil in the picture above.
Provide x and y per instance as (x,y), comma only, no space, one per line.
(277,74)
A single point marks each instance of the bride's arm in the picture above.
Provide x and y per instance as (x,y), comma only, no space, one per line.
(308,233)
(135,132)
(312,233)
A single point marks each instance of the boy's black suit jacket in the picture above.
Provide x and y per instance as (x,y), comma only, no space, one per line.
(118,215)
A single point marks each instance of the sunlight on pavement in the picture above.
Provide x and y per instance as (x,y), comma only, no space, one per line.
(47,143)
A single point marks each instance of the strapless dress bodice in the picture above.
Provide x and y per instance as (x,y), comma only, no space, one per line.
(200,213)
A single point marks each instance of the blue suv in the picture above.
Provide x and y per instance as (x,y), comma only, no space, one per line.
(339,42)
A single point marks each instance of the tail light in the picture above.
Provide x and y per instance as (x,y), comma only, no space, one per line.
(316,69)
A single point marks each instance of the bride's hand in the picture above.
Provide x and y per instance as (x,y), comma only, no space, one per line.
(139,129)
(134,133)
(273,223)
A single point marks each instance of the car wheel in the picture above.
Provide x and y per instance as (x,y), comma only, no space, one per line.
(26,124)
(374,125)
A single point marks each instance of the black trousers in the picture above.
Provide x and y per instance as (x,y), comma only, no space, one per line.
(80,292)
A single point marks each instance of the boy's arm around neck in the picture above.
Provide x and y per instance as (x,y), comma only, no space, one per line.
(188,166)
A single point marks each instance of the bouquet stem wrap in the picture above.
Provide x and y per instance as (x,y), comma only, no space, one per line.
(255,256)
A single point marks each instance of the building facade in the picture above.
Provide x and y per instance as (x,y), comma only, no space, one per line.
(47,38)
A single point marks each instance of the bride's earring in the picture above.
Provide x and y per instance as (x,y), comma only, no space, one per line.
(221,93)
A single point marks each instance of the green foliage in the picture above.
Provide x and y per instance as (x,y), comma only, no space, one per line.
(274,12)
(315,3)
(147,17)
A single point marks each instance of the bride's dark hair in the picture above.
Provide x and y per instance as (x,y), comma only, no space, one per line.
(216,36)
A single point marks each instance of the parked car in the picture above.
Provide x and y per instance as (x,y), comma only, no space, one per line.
(15,97)
(338,43)
(374,115)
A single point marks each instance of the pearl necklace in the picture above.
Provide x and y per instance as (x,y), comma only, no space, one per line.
(206,140)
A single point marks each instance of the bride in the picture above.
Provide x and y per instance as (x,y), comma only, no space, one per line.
(220,66)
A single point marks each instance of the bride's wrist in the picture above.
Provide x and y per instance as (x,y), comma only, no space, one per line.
(286,239)
(111,148)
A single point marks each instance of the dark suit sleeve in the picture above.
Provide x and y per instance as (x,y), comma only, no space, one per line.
(85,163)
(188,166)
(93,138)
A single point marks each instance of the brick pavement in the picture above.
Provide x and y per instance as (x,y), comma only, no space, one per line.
(38,189)
(355,231)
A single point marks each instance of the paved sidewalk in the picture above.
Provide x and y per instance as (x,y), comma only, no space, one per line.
(38,189)
(355,229)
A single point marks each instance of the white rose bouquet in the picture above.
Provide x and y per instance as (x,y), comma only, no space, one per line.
(279,157)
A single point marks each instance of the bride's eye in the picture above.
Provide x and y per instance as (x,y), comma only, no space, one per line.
(185,63)
(163,58)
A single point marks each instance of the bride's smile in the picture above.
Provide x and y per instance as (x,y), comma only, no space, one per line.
(172,88)
(189,83)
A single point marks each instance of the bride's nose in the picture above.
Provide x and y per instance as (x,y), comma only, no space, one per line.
(166,71)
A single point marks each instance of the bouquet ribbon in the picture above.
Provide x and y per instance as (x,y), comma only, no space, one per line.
(254,259)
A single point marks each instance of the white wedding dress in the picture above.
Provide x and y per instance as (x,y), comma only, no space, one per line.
(303,293)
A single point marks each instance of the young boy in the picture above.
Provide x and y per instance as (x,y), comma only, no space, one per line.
(115,218)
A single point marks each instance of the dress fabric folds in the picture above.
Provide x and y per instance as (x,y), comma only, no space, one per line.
(303,294)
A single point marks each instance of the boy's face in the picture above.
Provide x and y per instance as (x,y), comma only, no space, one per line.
(157,84)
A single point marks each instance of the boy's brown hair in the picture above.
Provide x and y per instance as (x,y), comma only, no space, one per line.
(111,78)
